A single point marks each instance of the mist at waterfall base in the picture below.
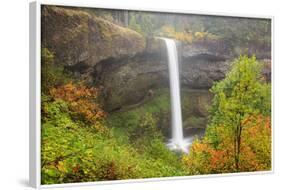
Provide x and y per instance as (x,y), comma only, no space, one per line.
(178,141)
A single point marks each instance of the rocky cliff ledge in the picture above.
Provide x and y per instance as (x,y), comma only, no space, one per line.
(77,37)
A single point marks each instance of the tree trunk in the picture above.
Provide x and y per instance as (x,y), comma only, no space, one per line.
(235,149)
(237,144)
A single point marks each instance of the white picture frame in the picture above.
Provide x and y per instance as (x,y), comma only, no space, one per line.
(35,93)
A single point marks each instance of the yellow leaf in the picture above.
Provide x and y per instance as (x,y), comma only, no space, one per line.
(61,167)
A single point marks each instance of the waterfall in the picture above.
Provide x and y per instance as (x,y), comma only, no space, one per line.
(177,141)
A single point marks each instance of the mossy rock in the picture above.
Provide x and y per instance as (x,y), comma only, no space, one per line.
(129,117)
(76,36)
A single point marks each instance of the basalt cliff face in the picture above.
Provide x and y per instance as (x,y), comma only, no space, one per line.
(130,79)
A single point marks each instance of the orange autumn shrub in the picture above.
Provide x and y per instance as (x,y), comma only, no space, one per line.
(203,158)
(197,161)
(82,102)
(256,143)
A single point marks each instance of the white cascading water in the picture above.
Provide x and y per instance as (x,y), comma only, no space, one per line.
(177,142)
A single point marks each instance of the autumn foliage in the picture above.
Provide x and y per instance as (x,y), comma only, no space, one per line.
(188,37)
(81,101)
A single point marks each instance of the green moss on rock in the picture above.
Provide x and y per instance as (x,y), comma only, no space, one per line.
(76,36)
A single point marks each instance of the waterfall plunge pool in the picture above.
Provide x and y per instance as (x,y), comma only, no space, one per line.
(189,136)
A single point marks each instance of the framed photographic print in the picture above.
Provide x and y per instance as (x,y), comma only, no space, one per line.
(118,94)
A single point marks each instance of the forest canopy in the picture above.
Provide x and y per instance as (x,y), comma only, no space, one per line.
(235,31)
